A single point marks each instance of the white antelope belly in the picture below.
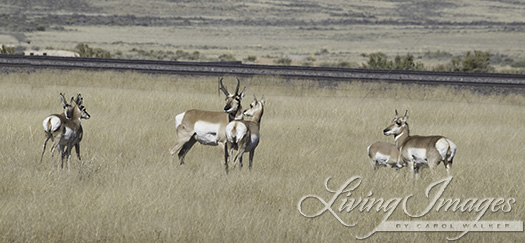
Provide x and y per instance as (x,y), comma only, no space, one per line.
(418,155)
(207,133)
(382,158)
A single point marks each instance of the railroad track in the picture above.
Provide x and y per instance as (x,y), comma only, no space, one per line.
(512,82)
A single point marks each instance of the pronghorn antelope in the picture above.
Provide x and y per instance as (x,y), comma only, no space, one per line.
(207,127)
(418,151)
(65,129)
(383,154)
(53,122)
(244,135)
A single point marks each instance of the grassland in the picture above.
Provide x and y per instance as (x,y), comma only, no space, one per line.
(125,189)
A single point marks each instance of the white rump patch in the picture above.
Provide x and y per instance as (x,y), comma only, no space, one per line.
(453,148)
(53,122)
(241,131)
(44,124)
(178,119)
(228,130)
(235,131)
(207,133)
(442,147)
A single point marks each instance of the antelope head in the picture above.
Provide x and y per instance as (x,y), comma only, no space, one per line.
(399,124)
(256,108)
(68,108)
(77,112)
(74,104)
(233,101)
(84,114)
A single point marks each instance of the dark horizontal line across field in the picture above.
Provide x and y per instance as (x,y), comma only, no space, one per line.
(497,80)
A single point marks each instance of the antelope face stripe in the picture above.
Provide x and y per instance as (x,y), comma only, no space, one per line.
(387,132)
(230,109)
(85,114)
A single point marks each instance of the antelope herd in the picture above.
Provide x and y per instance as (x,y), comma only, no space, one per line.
(244,135)
(65,129)
(207,127)
(414,152)
(230,131)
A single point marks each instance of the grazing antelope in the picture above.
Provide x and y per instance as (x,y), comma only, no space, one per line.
(244,135)
(65,128)
(383,154)
(418,151)
(207,127)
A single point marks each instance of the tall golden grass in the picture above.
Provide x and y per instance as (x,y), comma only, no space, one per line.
(126,190)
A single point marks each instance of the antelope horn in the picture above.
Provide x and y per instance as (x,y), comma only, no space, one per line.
(238,84)
(79,99)
(223,89)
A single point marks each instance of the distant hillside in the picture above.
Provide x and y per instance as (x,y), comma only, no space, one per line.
(33,15)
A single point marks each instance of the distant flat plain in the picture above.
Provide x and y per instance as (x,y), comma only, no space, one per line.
(311,32)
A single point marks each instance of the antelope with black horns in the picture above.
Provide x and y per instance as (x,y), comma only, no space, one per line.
(420,151)
(207,127)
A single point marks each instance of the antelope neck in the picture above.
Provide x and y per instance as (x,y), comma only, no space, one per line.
(238,115)
(257,117)
(401,137)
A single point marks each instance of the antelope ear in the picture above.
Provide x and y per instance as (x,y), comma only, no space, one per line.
(243,92)
(63,99)
(263,100)
(396,115)
(406,116)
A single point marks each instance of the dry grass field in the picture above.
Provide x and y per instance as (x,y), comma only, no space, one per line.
(125,189)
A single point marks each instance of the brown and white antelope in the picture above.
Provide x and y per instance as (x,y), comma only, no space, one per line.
(207,127)
(383,154)
(244,135)
(65,129)
(53,122)
(418,151)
